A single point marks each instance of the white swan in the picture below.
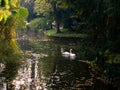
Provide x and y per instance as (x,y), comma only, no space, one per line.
(65,54)
(69,54)
(72,55)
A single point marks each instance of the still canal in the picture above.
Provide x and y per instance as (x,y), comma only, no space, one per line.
(46,68)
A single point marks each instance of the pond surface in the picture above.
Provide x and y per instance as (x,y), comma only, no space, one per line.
(47,69)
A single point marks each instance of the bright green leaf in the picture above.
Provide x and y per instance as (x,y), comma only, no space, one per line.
(6,2)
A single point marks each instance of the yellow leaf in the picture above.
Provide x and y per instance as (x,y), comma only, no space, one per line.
(1,17)
(7,6)
(1,12)
(13,5)
(5,15)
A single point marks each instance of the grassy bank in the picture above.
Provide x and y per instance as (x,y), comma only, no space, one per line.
(64,33)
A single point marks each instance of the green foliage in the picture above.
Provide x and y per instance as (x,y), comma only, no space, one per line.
(42,7)
(39,23)
(48,7)
(21,16)
(29,4)
(100,19)
(23,13)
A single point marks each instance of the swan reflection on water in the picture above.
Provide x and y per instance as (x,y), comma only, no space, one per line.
(69,54)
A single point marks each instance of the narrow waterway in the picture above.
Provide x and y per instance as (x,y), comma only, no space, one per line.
(46,68)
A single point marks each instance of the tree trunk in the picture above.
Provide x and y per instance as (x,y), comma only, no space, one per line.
(56,17)
(58,27)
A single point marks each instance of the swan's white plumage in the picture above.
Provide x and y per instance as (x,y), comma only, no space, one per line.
(64,53)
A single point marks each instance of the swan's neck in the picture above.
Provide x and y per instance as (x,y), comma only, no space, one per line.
(70,50)
(62,50)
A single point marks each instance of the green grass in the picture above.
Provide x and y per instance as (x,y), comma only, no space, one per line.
(64,33)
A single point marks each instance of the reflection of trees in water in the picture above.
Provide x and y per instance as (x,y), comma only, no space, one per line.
(26,77)
(8,74)
(69,75)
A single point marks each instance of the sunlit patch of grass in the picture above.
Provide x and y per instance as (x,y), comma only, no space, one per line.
(65,33)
